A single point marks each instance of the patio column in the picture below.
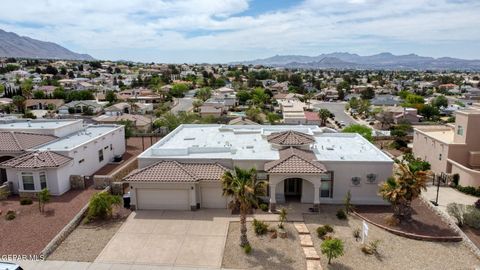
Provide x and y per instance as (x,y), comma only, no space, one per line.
(273,201)
(316,197)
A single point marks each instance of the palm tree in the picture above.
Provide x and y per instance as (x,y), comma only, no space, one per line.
(402,189)
(244,188)
(324,114)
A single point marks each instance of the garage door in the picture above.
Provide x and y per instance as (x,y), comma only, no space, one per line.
(168,199)
(212,198)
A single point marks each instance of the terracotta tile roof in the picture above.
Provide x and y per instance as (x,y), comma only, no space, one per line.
(174,171)
(19,141)
(36,160)
(290,137)
(294,160)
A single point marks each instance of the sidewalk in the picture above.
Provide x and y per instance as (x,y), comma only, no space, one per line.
(448,195)
(63,265)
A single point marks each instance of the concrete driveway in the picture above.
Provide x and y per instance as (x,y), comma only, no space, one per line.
(172,238)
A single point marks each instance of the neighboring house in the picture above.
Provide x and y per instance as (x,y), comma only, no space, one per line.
(452,149)
(385,100)
(43,104)
(312,118)
(124,107)
(301,163)
(140,122)
(80,106)
(211,110)
(278,87)
(242,121)
(409,115)
(293,111)
(81,150)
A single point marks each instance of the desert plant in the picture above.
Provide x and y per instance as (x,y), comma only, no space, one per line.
(263,207)
(348,202)
(332,248)
(341,214)
(356,234)
(328,228)
(477,204)
(101,206)
(371,247)
(402,189)
(282,217)
(260,227)
(26,201)
(472,217)
(244,189)
(10,215)
(322,231)
(43,198)
(455,179)
(247,248)
(457,211)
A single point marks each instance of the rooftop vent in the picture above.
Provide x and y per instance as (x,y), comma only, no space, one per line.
(249,147)
(329,147)
(189,138)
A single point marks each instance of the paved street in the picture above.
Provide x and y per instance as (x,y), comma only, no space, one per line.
(337,108)
(184,104)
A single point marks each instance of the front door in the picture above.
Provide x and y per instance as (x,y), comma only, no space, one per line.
(293,188)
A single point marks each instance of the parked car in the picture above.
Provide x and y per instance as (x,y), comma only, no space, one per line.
(9,266)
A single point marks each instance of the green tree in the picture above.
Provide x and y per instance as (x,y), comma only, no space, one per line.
(59,93)
(27,86)
(401,189)
(101,206)
(324,114)
(43,198)
(111,97)
(440,101)
(243,96)
(244,189)
(332,248)
(259,97)
(273,118)
(38,95)
(204,93)
(19,101)
(428,111)
(197,103)
(2,89)
(365,131)
(178,90)
(368,93)
(253,113)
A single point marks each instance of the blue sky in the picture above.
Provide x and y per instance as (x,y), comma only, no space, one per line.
(214,31)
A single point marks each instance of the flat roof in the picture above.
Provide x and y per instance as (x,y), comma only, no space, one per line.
(249,142)
(35,124)
(76,139)
(445,135)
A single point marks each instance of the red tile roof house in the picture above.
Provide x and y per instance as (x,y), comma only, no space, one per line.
(52,151)
(301,163)
(312,118)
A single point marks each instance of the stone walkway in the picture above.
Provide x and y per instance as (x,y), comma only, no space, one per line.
(448,195)
(311,255)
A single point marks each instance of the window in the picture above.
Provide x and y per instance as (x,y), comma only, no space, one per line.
(326,185)
(460,130)
(43,180)
(100,155)
(440,157)
(28,183)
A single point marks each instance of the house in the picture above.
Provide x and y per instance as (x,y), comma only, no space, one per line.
(452,149)
(385,100)
(211,110)
(409,115)
(241,120)
(301,163)
(80,106)
(278,87)
(80,150)
(312,118)
(140,122)
(43,104)
(293,111)
(124,107)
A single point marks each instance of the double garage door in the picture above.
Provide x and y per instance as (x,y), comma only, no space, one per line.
(179,199)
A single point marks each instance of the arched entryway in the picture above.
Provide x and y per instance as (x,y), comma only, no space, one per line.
(292,189)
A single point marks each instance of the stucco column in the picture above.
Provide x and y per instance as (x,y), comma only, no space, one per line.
(273,201)
(316,197)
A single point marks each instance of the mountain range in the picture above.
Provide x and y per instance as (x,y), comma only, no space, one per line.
(13,45)
(388,61)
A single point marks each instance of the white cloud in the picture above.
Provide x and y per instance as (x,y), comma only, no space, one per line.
(168,25)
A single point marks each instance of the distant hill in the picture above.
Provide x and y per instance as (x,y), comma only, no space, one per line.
(385,60)
(13,45)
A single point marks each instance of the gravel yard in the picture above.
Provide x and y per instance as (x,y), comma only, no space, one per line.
(89,238)
(31,231)
(395,252)
(266,253)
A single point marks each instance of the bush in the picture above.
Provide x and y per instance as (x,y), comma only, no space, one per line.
(322,231)
(356,234)
(469,190)
(341,214)
(10,215)
(457,211)
(477,204)
(371,247)
(26,201)
(332,248)
(101,206)
(263,207)
(472,217)
(260,227)
(247,249)
(455,179)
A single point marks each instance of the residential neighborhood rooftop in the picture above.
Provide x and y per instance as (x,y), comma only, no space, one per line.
(249,142)
(35,124)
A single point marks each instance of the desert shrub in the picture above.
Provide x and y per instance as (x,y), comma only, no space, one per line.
(457,211)
(356,233)
(247,249)
(392,221)
(472,217)
(455,179)
(26,201)
(332,248)
(477,204)
(322,231)
(469,190)
(260,227)
(371,247)
(282,217)
(341,214)
(101,206)
(263,207)
(10,215)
